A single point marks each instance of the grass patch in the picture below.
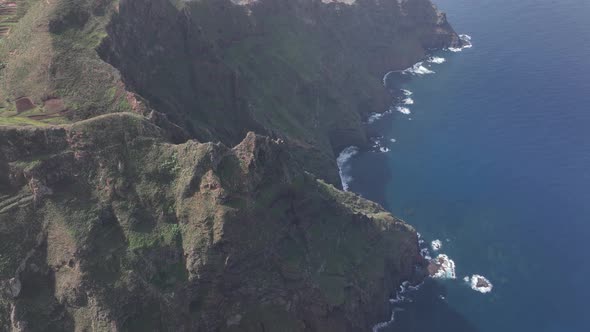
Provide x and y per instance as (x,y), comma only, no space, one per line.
(19,121)
(163,235)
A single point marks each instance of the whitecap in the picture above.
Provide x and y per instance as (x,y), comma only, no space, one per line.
(383,149)
(408,101)
(436,245)
(407,93)
(418,69)
(344,167)
(445,267)
(437,60)
(466,40)
(403,110)
(374,117)
(393,140)
(479,283)
(424,252)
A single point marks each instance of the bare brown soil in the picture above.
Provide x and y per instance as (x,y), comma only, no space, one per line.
(24,104)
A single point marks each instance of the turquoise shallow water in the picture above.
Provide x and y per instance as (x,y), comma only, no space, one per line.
(495,157)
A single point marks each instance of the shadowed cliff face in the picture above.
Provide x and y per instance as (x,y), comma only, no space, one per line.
(304,70)
(119,230)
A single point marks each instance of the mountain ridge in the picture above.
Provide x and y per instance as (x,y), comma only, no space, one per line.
(170,165)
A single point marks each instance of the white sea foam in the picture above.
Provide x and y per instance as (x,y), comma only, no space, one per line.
(466,39)
(403,110)
(446,267)
(407,93)
(386,76)
(436,60)
(418,69)
(383,325)
(392,140)
(374,117)
(475,279)
(400,297)
(384,149)
(408,101)
(344,167)
(436,245)
(424,252)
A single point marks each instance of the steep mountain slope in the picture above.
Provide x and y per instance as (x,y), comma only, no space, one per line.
(306,71)
(122,205)
(109,227)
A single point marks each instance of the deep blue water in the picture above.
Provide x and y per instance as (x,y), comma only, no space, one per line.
(496,159)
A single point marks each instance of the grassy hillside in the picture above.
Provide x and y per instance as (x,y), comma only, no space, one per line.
(194,236)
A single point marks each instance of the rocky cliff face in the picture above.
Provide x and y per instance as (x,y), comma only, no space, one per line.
(137,214)
(307,71)
(105,226)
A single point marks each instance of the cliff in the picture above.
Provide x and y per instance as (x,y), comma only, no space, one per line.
(106,226)
(134,194)
(307,71)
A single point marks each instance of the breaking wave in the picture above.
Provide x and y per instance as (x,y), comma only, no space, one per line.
(344,166)
(437,60)
(403,110)
(408,101)
(436,245)
(379,146)
(445,267)
(466,39)
(400,297)
(386,76)
(374,117)
(418,69)
(407,93)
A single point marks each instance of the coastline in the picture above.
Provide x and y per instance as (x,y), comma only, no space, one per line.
(197,208)
(440,267)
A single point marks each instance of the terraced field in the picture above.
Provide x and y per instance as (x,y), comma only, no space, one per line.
(23,110)
(10,11)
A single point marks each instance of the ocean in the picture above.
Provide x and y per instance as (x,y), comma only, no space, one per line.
(491,156)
